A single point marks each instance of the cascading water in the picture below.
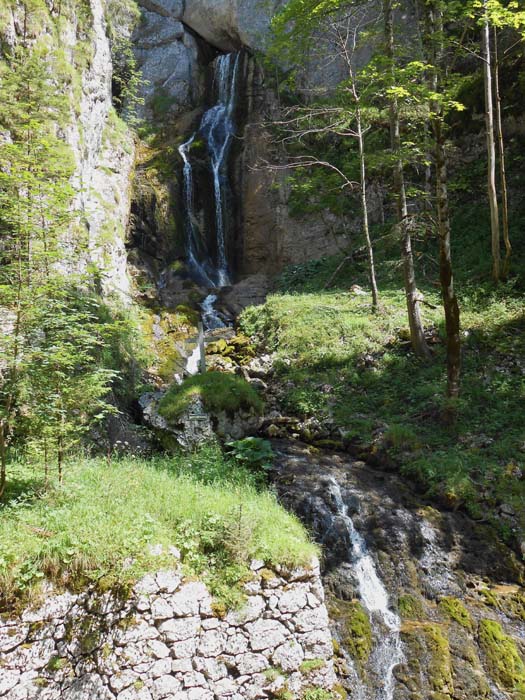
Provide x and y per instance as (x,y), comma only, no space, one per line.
(385,623)
(192,254)
(218,129)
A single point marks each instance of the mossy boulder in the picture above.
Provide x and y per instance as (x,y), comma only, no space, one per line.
(429,657)
(410,607)
(504,662)
(218,391)
(238,349)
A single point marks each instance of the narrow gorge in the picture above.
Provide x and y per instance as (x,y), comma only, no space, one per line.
(274,497)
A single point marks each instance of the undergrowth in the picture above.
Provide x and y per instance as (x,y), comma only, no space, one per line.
(337,359)
(106,517)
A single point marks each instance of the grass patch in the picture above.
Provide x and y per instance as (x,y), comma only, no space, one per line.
(337,359)
(208,506)
(218,391)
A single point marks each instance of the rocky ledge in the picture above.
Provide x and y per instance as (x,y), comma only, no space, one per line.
(166,639)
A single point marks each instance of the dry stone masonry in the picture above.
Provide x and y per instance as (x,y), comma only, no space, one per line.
(169,641)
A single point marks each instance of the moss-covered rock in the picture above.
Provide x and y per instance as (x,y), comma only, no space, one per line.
(504,662)
(238,349)
(410,607)
(357,631)
(454,609)
(218,392)
(429,657)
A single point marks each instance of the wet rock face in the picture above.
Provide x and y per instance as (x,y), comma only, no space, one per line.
(457,589)
(166,641)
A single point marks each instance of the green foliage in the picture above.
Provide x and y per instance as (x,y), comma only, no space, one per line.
(253,452)
(317,694)
(358,631)
(219,391)
(410,607)
(503,659)
(200,503)
(336,358)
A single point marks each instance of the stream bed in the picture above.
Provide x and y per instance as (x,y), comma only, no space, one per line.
(425,605)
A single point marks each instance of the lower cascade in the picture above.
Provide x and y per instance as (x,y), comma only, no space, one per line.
(385,623)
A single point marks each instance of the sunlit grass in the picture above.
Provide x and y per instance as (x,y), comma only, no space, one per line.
(106,516)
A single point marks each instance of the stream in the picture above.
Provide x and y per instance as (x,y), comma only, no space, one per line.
(413,571)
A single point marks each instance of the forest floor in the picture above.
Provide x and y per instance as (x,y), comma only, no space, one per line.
(338,360)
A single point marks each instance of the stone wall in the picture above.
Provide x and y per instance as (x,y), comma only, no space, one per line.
(168,640)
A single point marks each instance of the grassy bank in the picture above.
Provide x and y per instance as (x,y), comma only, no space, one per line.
(107,515)
(339,360)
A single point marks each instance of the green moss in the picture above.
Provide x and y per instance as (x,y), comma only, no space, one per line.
(429,657)
(217,390)
(284,693)
(505,665)
(410,607)
(56,663)
(317,694)
(311,665)
(339,692)
(239,349)
(455,610)
(357,636)
(439,668)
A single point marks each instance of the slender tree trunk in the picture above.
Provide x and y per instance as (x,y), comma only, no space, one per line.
(502,169)
(491,147)
(364,203)
(60,456)
(3,457)
(450,302)
(417,334)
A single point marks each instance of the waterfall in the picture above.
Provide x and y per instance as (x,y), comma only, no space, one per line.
(189,217)
(385,623)
(217,127)
(210,318)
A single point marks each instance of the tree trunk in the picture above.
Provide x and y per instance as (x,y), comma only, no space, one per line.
(364,203)
(502,169)
(450,302)
(417,334)
(3,458)
(491,147)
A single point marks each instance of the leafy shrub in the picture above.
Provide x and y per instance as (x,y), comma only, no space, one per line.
(253,452)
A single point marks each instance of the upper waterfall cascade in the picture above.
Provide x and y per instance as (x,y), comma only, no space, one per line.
(217,128)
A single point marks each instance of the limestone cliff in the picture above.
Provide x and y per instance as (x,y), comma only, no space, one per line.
(101,143)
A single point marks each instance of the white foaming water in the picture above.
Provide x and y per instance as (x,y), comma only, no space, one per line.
(218,129)
(385,623)
(192,363)
(210,318)
(191,234)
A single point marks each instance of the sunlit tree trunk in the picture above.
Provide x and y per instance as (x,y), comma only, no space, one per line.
(417,334)
(502,169)
(491,146)
(450,302)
